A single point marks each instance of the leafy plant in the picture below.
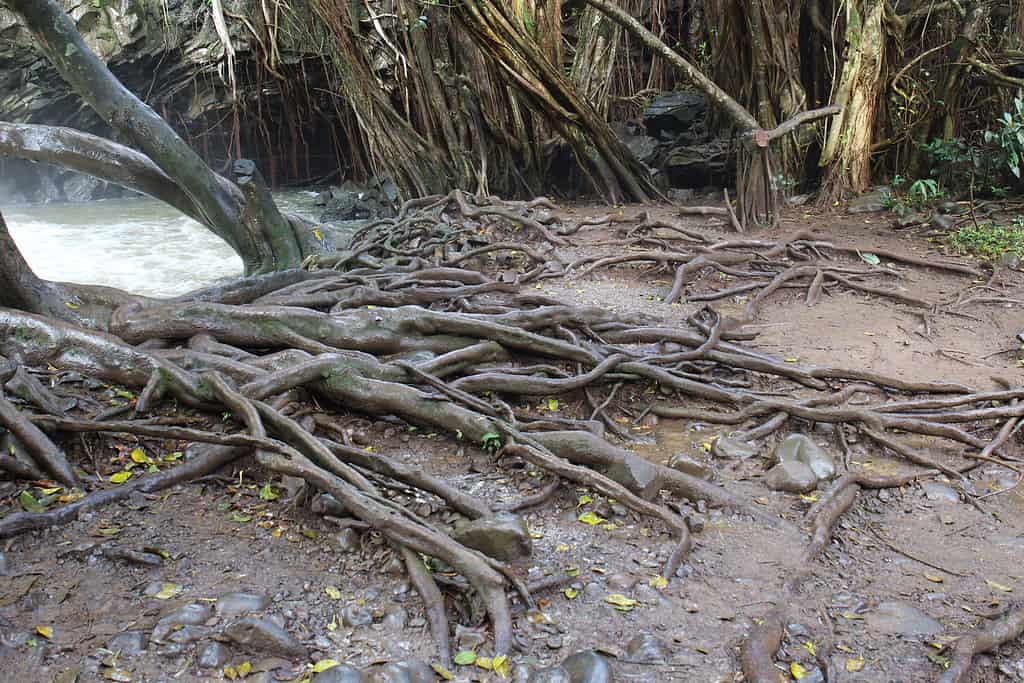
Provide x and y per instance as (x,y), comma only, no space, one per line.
(990,240)
(491,442)
(924,190)
(1009,136)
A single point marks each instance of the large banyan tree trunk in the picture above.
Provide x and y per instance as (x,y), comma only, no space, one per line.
(847,152)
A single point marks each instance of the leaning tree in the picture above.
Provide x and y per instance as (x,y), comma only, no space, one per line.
(418,318)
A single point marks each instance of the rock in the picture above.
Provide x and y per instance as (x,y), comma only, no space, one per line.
(469,638)
(728,447)
(646,648)
(588,667)
(684,194)
(643,147)
(798,200)
(212,655)
(637,475)
(343,673)
(326,504)
(943,222)
(411,671)
(813,675)
(3,564)
(80,188)
(687,464)
(233,605)
(504,537)
(189,633)
(262,636)
(128,643)
(355,616)
(1009,260)
(677,112)
(791,476)
(346,540)
(800,448)
(939,492)
(870,202)
(395,618)
(900,618)
(190,614)
(695,165)
(552,674)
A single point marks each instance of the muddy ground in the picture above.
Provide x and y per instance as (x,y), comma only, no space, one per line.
(908,568)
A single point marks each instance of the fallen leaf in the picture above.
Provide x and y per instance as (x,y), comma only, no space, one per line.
(621,602)
(809,646)
(870,258)
(268,493)
(501,666)
(168,591)
(465,657)
(584,499)
(324,665)
(854,664)
(809,497)
(29,502)
(571,593)
(243,669)
(591,518)
(45,631)
(240,518)
(486,663)
(139,456)
(658,582)
(933,577)
(333,593)
(999,586)
(442,672)
(118,675)
(51,490)
(552,404)
(797,670)
(120,477)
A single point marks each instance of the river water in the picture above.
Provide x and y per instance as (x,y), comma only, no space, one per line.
(139,245)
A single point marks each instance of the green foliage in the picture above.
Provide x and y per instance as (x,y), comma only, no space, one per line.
(1008,138)
(924,190)
(919,194)
(989,240)
(491,442)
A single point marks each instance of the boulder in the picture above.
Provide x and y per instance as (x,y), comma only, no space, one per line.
(264,637)
(678,112)
(504,537)
(801,448)
(791,476)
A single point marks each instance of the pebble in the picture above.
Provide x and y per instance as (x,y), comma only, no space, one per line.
(354,616)
(505,537)
(552,674)
(588,667)
(728,447)
(233,605)
(646,649)
(212,655)
(940,492)
(188,634)
(190,614)
(343,673)
(554,642)
(791,476)
(411,671)
(263,636)
(801,448)
(621,582)
(128,643)
(900,618)
(395,618)
(346,540)
(637,475)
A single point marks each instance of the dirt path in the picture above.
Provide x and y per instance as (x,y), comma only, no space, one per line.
(908,568)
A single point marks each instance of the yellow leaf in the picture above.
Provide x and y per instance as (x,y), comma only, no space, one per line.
(319,235)
(658,582)
(810,498)
(45,631)
(168,591)
(792,360)
(584,499)
(485,663)
(243,669)
(809,646)
(621,602)
(797,670)
(51,490)
(552,404)
(562,548)
(73,307)
(610,526)
(442,672)
(854,664)
(324,665)
(571,593)
(706,446)
(933,577)
(999,586)
(120,477)
(333,626)
(465,657)
(592,519)
(333,592)
(844,648)
(139,456)
(501,666)
(230,673)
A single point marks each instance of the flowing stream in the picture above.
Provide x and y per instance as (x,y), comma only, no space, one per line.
(139,245)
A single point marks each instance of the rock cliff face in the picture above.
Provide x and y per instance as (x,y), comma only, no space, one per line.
(169,53)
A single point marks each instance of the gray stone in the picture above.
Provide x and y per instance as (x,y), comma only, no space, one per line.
(504,537)
(346,540)
(675,113)
(190,614)
(900,618)
(395,618)
(695,164)
(728,447)
(643,147)
(355,616)
(801,448)
(80,188)
(870,202)
(685,194)
(687,464)
(326,504)
(621,582)
(343,673)
(646,648)
(232,605)
(212,655)
(189,633)
(469,638)
(263,636)
(552,674)
(3,564)
(128,643)
(411,671)
(588,667)
(637,475)
(1009,260)
(791,476)
(939,492)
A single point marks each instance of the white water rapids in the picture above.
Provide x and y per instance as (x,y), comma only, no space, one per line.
(138,245)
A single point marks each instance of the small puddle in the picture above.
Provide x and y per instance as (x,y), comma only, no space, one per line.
(669,437)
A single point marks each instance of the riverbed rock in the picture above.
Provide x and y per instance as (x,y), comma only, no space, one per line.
(189,614)
(588,667)
(791,476)
(264,637)
(801,448)
(410,671)
(646,648)
(939,492)
(343,673)
(551,674)
(637,475)
(212,655)
(128,644)
(901,618)
(687,464)
(728,447)
(505,537)
(395,618)
(355,616)
(232,605)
